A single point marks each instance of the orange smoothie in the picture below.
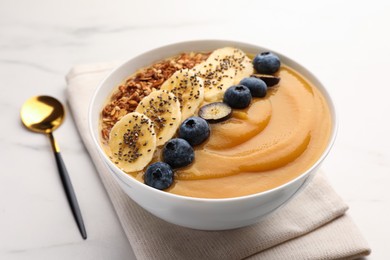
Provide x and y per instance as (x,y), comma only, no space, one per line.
(274,140)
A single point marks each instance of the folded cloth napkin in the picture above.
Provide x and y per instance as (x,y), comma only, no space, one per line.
(312,226)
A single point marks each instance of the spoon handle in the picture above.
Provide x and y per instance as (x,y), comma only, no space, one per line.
(67,184)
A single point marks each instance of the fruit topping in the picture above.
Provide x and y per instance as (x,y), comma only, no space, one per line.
(163,108)
(257,87)
(177,152)
(132,142)
(194,130)
(237,96)
(188,88)
(266,63)
(223,68)
(215,112)
(270,80)
(159,175)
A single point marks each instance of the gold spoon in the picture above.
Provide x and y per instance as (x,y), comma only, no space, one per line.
(44,114)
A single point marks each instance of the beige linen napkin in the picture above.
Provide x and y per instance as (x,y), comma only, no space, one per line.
(312,226)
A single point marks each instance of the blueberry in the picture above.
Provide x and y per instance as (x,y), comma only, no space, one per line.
(215,112)
(257,86)
(270,80)
(194,130)
(159,175)
(237,96)
(177,152)
(266,63)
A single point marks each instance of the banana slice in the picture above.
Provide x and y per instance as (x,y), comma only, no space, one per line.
(163,108)
(243,67)
(188,88)
(132,142)
(223,68)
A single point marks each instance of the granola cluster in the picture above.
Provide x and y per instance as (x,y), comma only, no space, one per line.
(126,98)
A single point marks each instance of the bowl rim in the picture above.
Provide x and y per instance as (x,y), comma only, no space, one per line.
(297,66)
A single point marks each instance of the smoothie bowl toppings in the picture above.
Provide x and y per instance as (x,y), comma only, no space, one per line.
(216,124)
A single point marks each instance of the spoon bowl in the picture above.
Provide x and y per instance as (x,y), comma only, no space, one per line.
(44,114)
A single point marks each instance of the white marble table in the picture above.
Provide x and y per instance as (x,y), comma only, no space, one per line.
(346,44)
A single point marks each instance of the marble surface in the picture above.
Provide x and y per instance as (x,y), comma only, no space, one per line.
(344,43)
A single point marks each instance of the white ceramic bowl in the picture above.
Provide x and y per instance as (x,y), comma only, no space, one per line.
(200,213)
